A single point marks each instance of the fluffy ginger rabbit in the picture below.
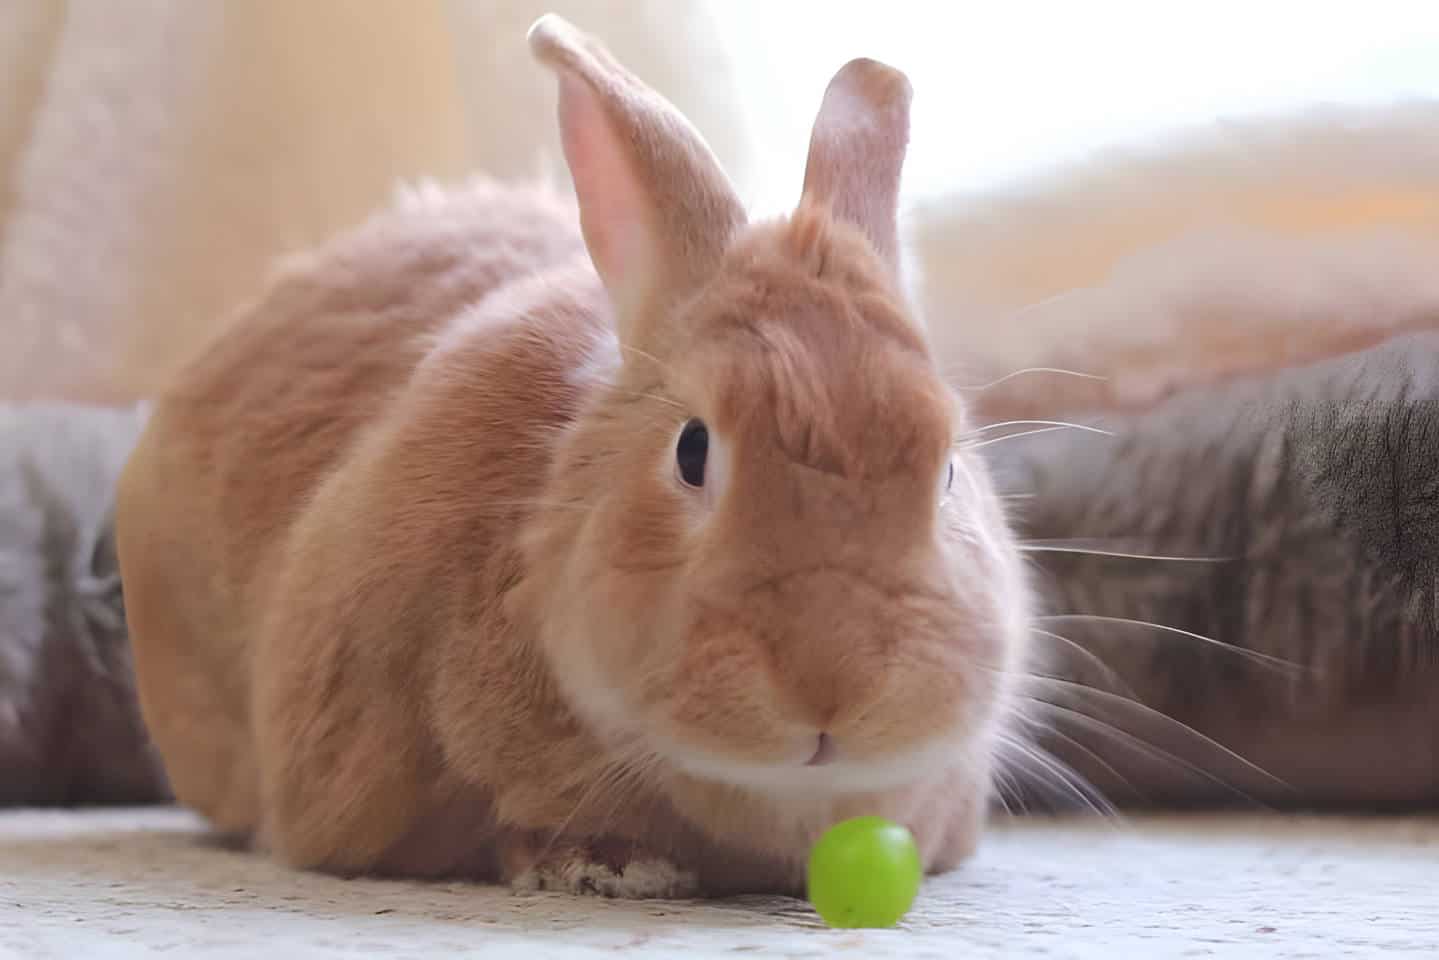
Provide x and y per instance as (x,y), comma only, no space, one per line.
(621,555)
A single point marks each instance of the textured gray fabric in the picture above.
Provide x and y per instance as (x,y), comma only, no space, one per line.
(1292,663)
(1313,496)
(69,726)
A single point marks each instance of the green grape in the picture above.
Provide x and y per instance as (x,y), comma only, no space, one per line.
(864,872)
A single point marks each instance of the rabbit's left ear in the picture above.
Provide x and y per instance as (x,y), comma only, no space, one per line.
(656,209)
(857,149)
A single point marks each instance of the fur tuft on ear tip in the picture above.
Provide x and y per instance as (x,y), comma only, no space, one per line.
(881,86)
(655,208)
(561,46)
(856,151)
(549,34)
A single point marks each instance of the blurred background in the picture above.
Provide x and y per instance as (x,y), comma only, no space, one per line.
(157,155)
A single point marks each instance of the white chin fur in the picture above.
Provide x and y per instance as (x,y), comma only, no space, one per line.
(834,778)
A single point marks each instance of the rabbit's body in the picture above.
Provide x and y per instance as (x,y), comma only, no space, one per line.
(428,574)
(266,428)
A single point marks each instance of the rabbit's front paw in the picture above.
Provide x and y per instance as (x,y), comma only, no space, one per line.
(605,870)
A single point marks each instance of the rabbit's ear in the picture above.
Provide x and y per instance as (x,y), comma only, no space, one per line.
(656,209)
(856,151)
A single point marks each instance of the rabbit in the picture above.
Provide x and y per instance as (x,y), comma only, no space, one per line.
(618,547)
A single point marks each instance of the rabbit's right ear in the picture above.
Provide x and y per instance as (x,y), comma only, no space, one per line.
(656,210)
(856,152)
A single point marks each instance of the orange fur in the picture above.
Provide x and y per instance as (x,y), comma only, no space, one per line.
(414,587)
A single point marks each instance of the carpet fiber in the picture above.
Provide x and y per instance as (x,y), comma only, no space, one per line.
(143,883)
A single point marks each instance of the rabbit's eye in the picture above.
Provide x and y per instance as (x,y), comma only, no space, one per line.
(947,481)
(691,451)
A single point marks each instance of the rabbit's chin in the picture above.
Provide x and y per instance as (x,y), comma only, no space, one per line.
(918,765)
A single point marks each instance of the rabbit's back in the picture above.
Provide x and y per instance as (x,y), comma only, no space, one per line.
(243,436)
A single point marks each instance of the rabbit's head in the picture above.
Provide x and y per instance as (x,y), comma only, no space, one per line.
(777,568)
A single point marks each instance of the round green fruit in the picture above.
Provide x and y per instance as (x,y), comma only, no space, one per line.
(864,872)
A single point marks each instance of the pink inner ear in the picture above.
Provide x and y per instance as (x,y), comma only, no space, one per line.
(611,201)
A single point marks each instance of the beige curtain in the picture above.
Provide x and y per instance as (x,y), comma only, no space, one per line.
(157,155)
(1233,249)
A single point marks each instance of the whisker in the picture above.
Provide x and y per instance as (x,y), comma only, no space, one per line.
(1040,423)
(1164,719)
(1092,754)
(1255,655)
(1144,748)
(643,395)
(1056,546)
(647,355)
(611,778)
(1089,655)
(627,787)
(1030,370)
(595,787)
(1006,791)
(1063,777)
(971,445)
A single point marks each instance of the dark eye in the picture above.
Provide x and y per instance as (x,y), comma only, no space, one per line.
(691,451)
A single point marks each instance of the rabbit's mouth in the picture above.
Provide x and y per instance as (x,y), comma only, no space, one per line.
(825,751)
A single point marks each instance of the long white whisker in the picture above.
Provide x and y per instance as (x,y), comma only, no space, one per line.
(1109,672)
(1140,745)
(1093,755)
(1041,546)
(612,777)
(1029,370)
(627,786)
(1040,423)
(647,355)
(1245,652)
(1165,719)
(975,445)
(1064,777)
(1006,791)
